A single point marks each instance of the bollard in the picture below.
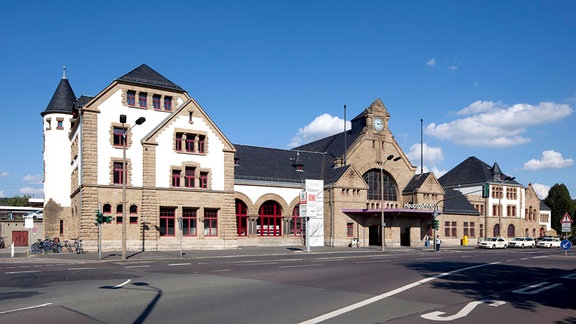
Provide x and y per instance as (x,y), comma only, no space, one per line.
(12,250)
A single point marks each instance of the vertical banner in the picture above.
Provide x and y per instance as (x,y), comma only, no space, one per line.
(314,209)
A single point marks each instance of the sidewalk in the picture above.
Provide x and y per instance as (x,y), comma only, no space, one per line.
(22,254)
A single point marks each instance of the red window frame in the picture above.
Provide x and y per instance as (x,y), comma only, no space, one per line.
(156,101)
(189,177)
(118,173)
(167,221)
(131,98)
(269,219)
(201,143)
(133,218)
(142,99)
(178,144)
(189,143)
(189,221)
(119,214)
(119,136)
(296,223)
(210,222)
(176,178)
(241,218)
(203,180)
(167,103)
(349,230)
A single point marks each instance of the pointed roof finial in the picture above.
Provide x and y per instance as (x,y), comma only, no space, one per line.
(64,72)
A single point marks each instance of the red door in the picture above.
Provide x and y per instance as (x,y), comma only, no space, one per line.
(20,238)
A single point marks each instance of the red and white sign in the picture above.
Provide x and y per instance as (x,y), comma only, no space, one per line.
(566,219)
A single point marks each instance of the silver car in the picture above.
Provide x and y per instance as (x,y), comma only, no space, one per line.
(494,243)
(522,242)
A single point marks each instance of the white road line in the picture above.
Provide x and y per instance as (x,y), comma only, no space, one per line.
(25,308)
(178,264)
(221,270)
(300,266)
(76,269)
(257,264)
(373,261)
(374,299)
(137,266)
(23,271)
(122,284)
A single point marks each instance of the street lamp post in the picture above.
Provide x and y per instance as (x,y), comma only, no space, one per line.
(383,225)
(500,209)
(139,121)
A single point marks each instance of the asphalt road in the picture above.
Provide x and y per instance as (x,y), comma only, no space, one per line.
(457,286)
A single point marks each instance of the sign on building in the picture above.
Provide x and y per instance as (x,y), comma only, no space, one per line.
(312,207)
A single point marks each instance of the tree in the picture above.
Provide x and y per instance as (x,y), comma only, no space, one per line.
(560,203)
(19,201)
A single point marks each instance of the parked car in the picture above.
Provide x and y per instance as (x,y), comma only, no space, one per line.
(35,215)
(494,243)
(522,242)
(549,242)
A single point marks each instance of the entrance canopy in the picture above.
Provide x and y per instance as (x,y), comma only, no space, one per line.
(378,212)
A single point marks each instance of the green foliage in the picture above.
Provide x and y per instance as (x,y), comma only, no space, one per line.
(560,203)
(18,201)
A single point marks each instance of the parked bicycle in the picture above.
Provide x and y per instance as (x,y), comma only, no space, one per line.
(79,246)
(46,246)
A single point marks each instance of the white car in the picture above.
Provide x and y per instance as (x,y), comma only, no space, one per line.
(522,242)
(493,243)
(549,242)
(35,215)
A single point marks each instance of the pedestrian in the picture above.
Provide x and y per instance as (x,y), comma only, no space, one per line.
(426,240)
(438,242)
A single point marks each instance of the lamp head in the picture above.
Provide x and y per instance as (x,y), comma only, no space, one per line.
(140,121)
(390,157)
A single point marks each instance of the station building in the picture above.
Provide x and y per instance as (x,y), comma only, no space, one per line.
(145,141)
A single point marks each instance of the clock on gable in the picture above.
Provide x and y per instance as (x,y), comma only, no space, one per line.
(378,124)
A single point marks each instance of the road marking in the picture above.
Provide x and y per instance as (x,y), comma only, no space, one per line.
(25,308)
(437,316)
(75,269)
(300,266)
(137,266)
(257,264)
(178,264)
(221,270)
(23,271)
(374,299)
(373,261)
(526,290)
(122,284)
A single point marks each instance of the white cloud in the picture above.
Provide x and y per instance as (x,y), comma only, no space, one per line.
(431,62)
(453,67)
(322,126)
(432,157)
(37,179)
(2,194)
(34,192)
(4,174)
(491,124)
(541,190)
(550,160)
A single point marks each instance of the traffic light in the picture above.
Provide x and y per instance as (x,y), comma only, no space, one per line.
(436,224)
(99,218)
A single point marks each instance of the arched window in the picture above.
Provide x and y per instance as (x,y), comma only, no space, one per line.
(133,214)
(496,231)
(296,223)
(511,231)
(374,182)
(107,209)
(241,218)
(269,219)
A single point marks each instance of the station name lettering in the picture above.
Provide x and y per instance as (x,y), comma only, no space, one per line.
(418,206)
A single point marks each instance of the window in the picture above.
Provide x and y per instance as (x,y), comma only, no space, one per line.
(133,214)
(203,180)
(450,229)
(469,229)
(118,172)
(496,230)
(61,227)
(119,136)
(511,231)
(119,214)
(189,177)
(189,221)
(201,141)
(167,217)
(142,96)
(349,230)
(296,222)
(241,218)
(107,209)
(374,182)
(60,124)
(156,101)
(167,103)
(176,178)
(178,146)
(210,222)
(189,143)
(48,123)
(269,219)
(131,98)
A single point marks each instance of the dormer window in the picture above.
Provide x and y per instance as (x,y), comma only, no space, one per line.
(156,101)
(297,163)
(131,97)
(167,103)
(142,96)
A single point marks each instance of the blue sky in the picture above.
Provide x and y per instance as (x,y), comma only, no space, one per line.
(491,79)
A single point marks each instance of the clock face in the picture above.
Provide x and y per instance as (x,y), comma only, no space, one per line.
(378,124)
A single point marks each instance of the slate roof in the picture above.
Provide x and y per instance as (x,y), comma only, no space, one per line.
(63,99)
(457,203)
(333,145)
(278,165)
(473,171)
(416,182)
(146,76)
